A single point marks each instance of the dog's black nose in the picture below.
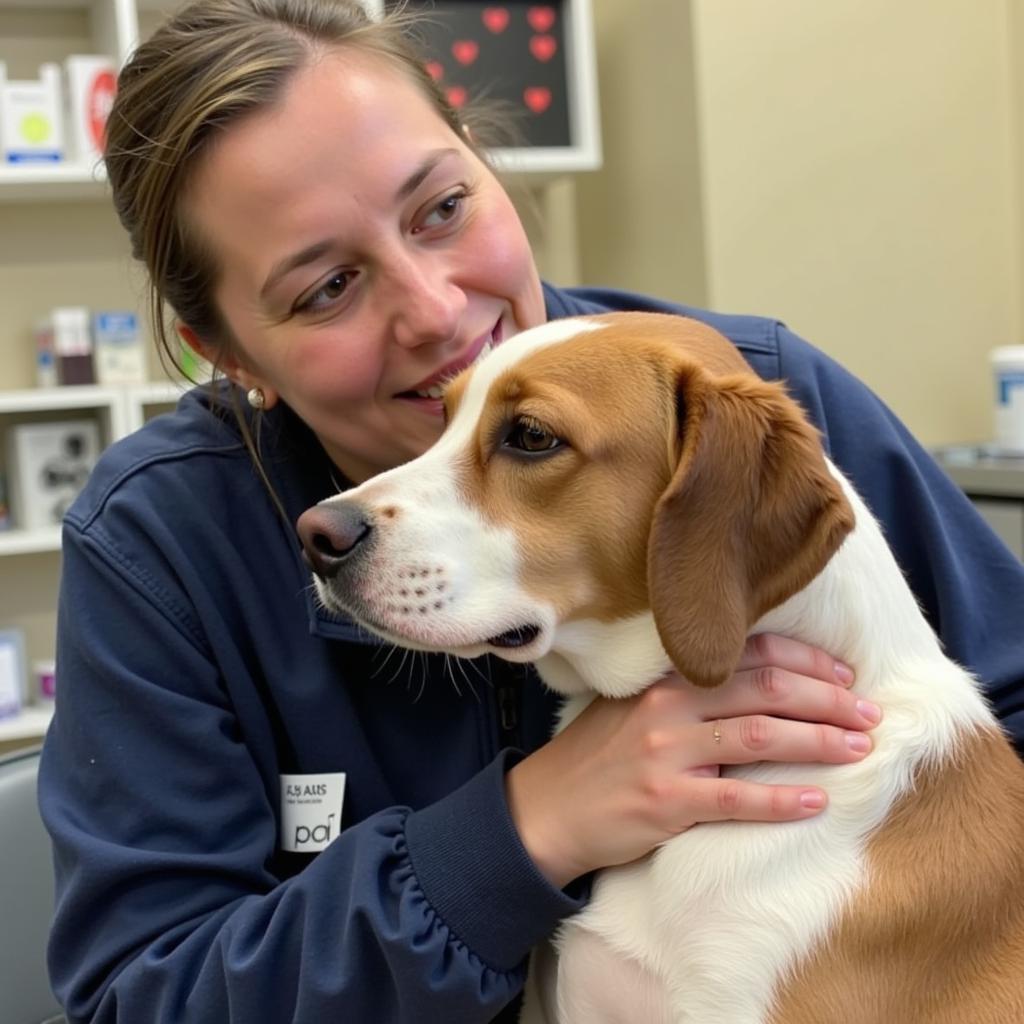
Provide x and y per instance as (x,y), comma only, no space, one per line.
(330,535)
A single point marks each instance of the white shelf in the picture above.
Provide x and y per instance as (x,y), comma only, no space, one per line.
(21,183)
(90,396)
(82,396)
(29,723)
(29,542)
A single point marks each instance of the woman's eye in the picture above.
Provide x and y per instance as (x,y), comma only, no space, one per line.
(532,438)
(321,298)
(446,210)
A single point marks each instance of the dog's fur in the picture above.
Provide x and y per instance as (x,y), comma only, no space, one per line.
(690,507)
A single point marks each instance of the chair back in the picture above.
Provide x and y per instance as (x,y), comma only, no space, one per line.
(26,896)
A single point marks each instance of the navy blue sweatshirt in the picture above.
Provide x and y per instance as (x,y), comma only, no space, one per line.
(195,670)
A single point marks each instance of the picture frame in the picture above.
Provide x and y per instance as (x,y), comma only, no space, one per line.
(537,56)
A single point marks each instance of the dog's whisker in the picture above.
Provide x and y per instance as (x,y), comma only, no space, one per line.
(391,649)
(461,663)
(449,671)
(423,675)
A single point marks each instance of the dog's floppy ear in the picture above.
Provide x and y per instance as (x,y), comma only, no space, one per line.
(750,517)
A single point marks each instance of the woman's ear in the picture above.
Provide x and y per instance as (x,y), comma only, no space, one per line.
(228,365)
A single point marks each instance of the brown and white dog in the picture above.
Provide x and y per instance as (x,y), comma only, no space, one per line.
(618,495)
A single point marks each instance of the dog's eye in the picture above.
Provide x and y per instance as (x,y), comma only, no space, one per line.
(531,437)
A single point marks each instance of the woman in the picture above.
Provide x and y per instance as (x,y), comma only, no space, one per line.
(326,233)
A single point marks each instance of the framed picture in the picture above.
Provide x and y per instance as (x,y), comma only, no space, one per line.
(535,58)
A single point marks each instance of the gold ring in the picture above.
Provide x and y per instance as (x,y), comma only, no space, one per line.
(716,733)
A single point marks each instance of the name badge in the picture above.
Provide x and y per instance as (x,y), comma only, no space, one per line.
(311,811)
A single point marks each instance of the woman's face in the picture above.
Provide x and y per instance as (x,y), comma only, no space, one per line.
(365,254)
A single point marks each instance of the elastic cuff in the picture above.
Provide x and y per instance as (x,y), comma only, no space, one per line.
(476,873)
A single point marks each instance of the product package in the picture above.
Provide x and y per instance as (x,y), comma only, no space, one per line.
(47,465)
(91,82)
(12,672)
(31,121)
(118,353)
(64,347)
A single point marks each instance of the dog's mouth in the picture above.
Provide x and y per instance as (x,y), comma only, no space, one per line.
(520,636)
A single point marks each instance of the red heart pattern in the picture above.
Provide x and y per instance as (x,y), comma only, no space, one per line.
(465,51)
(515,48)
(537,98)
(495,18)
(541,18)
(456,95)
(543,47)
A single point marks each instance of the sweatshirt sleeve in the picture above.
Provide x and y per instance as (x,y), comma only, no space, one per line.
(969,584)
(168,908)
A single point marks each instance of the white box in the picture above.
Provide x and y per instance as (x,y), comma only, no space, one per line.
(118,355)
(92,82)
(12,672)
(47,465)
(31,121)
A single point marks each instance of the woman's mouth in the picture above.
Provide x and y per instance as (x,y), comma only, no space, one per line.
(431,391)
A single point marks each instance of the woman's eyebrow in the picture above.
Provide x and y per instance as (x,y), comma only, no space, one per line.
(298,259)
(421,173)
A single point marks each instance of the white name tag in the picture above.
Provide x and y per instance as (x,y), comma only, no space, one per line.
(311,811)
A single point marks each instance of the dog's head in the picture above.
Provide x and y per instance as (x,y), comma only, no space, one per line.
(592,470)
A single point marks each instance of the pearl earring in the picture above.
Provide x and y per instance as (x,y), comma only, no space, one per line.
(256,398)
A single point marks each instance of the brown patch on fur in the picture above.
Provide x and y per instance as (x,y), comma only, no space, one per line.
(708,523)
(937,935)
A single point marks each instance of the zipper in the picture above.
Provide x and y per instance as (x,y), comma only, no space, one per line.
(508,714)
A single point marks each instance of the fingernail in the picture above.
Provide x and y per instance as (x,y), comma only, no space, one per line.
(858,742)
(844,674)
(868,711)
(812,799)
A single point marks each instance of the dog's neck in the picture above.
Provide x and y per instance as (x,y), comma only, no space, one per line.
(858,608)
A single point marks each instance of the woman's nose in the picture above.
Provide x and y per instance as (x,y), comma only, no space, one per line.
(427,305)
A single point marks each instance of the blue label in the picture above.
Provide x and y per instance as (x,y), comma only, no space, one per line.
(1007,382)
(43,156)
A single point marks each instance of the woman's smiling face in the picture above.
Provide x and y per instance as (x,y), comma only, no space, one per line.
(364,252)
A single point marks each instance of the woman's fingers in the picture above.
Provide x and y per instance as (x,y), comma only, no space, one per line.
(769,649)
(753,738)
(776,691)
(739,800)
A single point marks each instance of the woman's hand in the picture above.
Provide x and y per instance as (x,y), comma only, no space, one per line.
(628,774)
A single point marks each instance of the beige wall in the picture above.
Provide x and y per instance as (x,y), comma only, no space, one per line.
(641,216)
(850,167)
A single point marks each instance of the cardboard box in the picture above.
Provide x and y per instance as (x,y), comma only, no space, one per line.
(47,465)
